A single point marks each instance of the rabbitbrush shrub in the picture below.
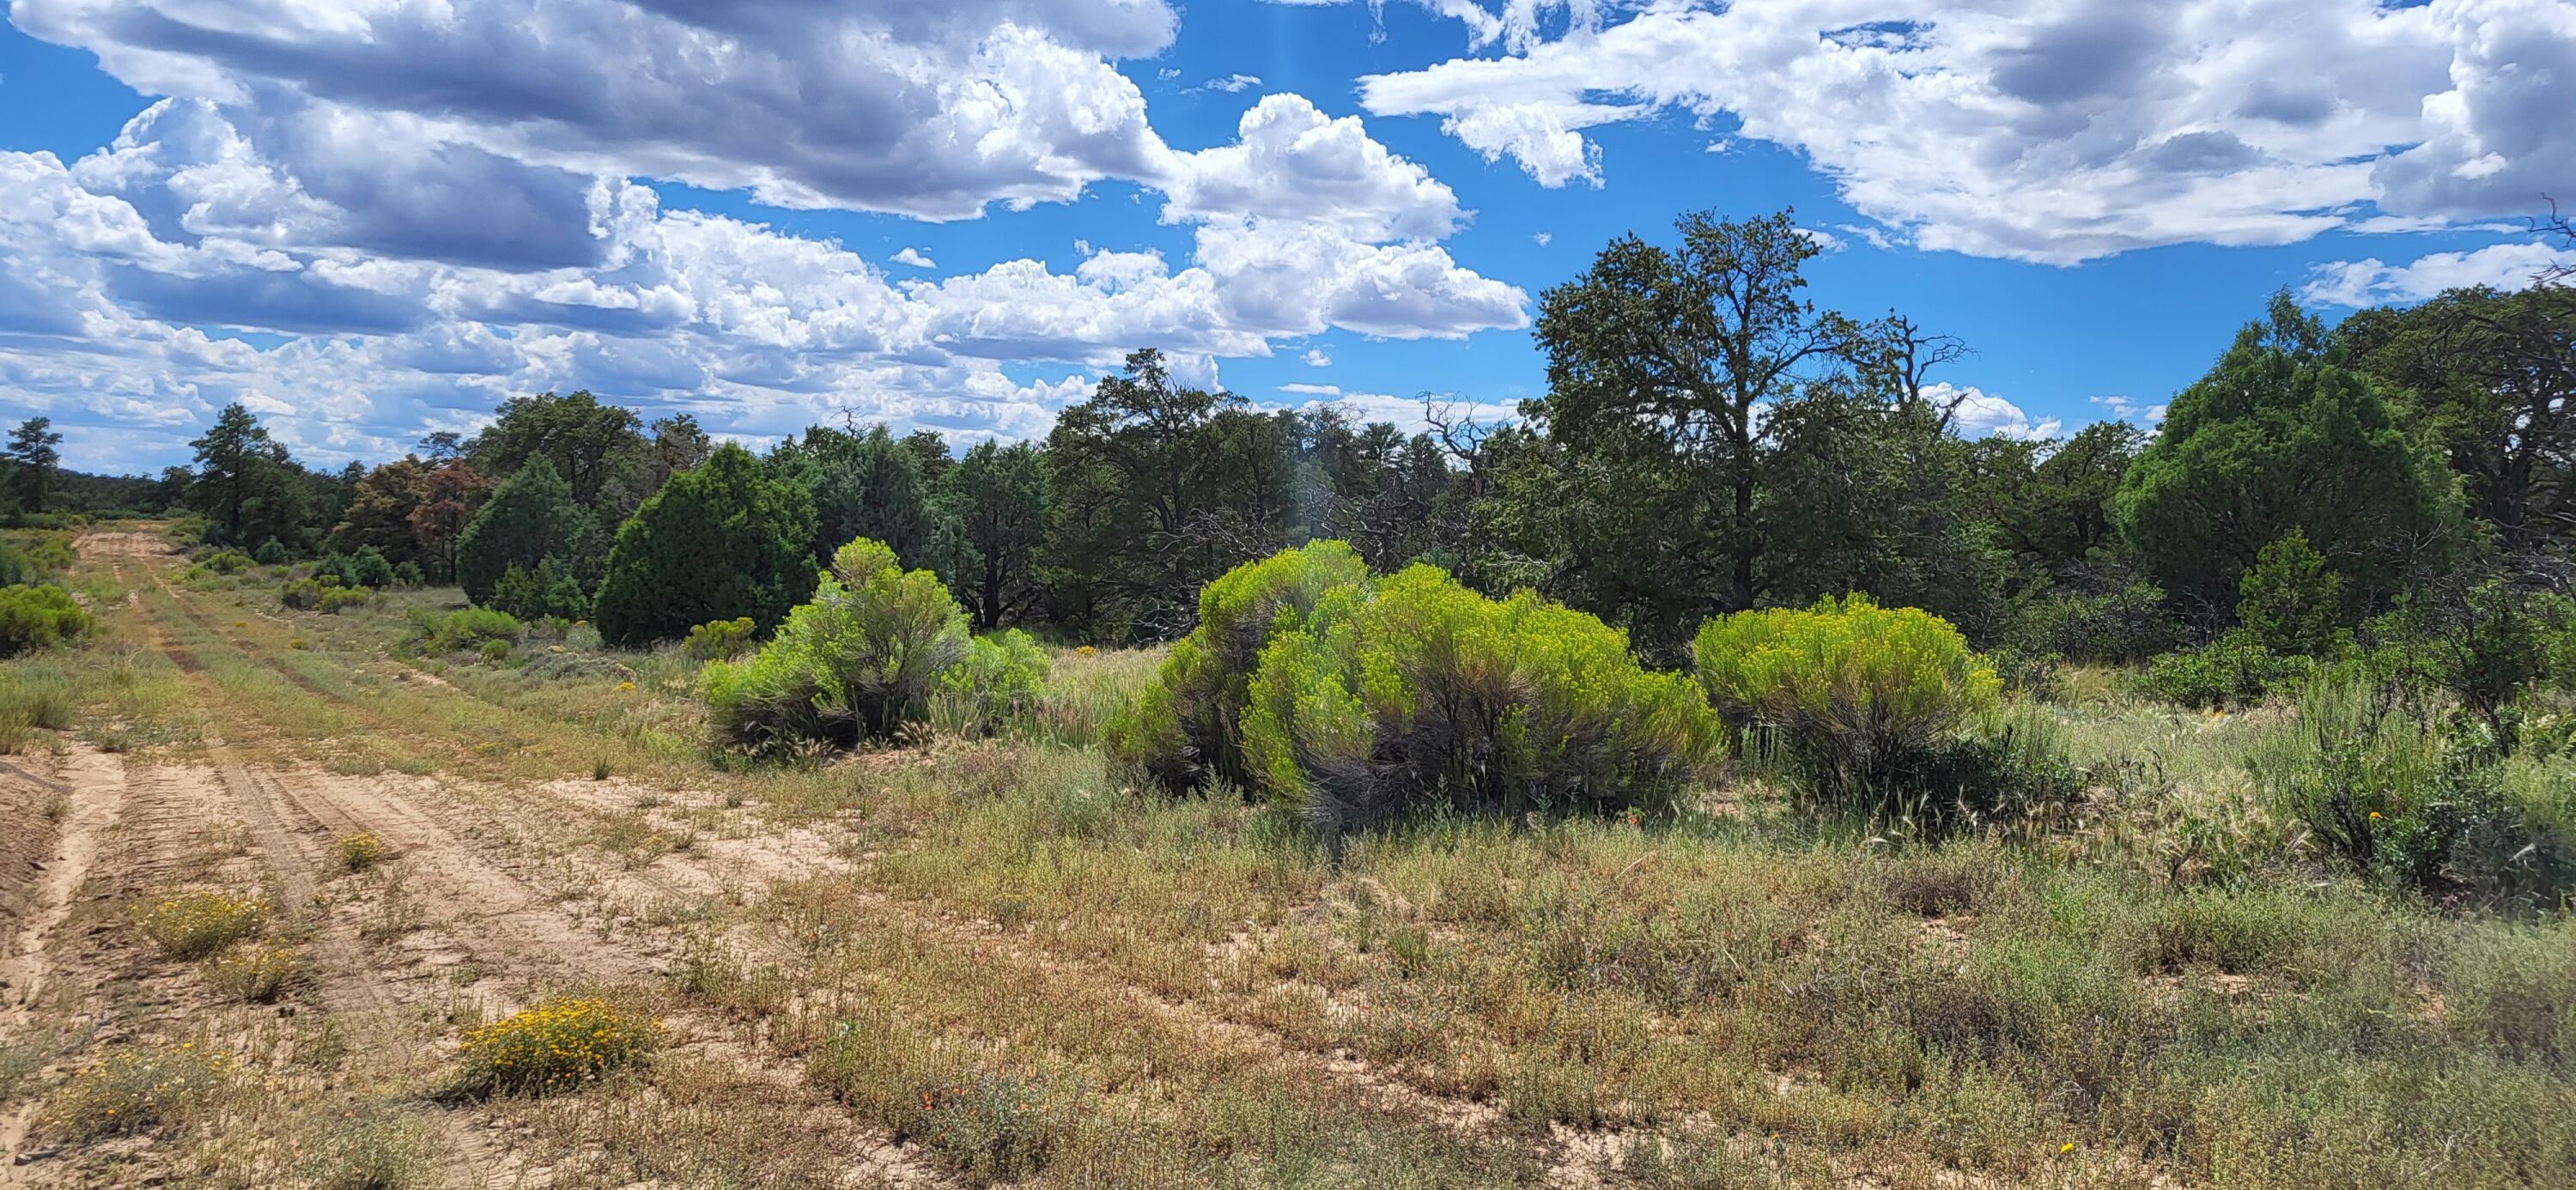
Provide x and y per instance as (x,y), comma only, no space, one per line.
(1414,692)
(38,617)
(1862,698)
(857,663)
(1185,728)
(1001,676)
(556,1046)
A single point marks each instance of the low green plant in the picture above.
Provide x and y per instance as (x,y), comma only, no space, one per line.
(856,663)
(2236,670)
(256,974)
(139,1088)
(39,617)
(467,628)
(1868,703)
(272,552)
(1000,678)
(195,924)
(360,852)
(548,592)
(720,640)
(557,1045)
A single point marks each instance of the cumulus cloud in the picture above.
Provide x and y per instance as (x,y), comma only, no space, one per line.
(1316,358)
(1291,162)
(2044,131)
(2370,282)
(2128,409)
(913,258)
(1981,414)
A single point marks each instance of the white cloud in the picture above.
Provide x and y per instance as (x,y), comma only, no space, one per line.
(914,258)
(2125,408)
(1312,390)
(1543,239)
(2047,131)
(2370,282)
(1315,358)
(1232,84)
(1981,414)
(1291,162)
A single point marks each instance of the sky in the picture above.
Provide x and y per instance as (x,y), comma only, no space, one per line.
(370,219)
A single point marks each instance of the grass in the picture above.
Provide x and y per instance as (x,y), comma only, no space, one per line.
(194,924)
(140,1088)
(1030,970)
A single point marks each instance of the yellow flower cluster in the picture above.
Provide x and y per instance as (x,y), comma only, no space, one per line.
(556,1045)
(192,925)
(361,851)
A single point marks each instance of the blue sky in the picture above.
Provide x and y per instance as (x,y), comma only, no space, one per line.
(368,221)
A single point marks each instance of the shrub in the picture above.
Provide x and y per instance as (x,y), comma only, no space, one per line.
(366,568)
(302,594)
(255,974)
(192,925)
(856,663)
(1864,699)
(494,651)
(338,599)
(2234,670)
(1001,676)
(138,1088)
(466,628)
(1415,692)
(225,562)
(2122,627)
(408,576)
(360,852)
(2288,599)
(35,698)
(724,539)
(720,640)
(543,593)
(1184,729)
(554,1046)
(530,518)
(39,617)
(272,552)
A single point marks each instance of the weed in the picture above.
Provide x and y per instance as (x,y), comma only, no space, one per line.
(360,852)
(557,1045)
(256,974)
(139,1088)
(195,924)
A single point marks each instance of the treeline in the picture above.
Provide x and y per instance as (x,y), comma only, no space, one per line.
(1710,442)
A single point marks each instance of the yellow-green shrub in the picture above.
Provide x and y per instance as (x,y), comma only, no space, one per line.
(192,925)
(1858,694)
(255,974)
(719,640)
(857,662)
(138,1088)
(998,680)
(1415,691)
(361,851)
(1184,729)
(557,1045)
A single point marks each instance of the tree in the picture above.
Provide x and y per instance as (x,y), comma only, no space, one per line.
(2493,375)
(866,485)
(2288,599)
(1159,488)
(531,517)
(246,485)
(450,495)
(380,512)
(590,444)
(34,461)
(2281,436)
(999,501)
(725,539)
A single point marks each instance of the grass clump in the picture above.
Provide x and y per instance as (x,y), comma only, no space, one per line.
(360,852)
(138,1089)
(557,1045)
(195,924)
(467,628)
(257,974)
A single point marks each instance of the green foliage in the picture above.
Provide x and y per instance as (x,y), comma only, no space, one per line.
(530,518)
(466,628)
(225,562)
(1864,699)
(2488,642)
(2281,437)
(544,593)
(2120,627)
(273,552)
(2288,600)
(721,540)
(1414,692)
(721,640)
(856,663)
(365,568)
(999,679)
(39,617)
(998,500)
(866,485)
(1185,729)
(2235,670)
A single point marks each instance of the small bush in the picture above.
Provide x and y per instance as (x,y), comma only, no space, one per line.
(366,568)
(2234,670)
(468,628)
(255,974)
(339,599)
(2289,600)
(1002,675)
(409,577)
(224,562)
(360,852)
(37,699)
(193,925)
(38,618)
(1416,692)
(548,592)
(303,594)
(1864,699)
(137,1089)
(719,640)
(494,651)
(859,661)
(555,1046)
(272,552)
(2122,627)
(1184,730)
